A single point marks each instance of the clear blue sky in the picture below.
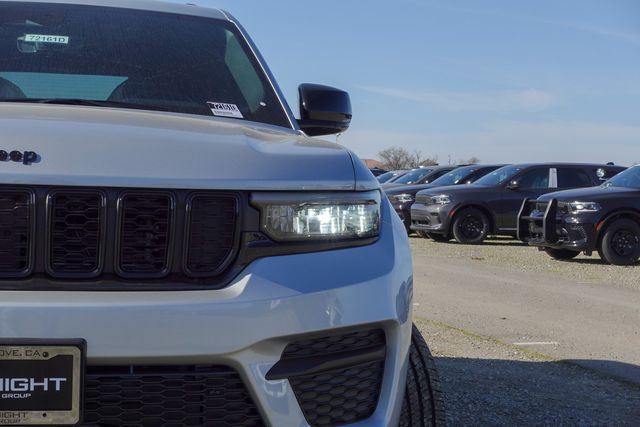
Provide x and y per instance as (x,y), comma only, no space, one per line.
(506,81)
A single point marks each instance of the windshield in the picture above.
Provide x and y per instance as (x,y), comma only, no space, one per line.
(456,176)
(629,178)
(386,176)
(139,59)
(499,176)
(413,176)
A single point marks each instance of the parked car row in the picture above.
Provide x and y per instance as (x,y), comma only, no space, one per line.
(402,197)
(561,208)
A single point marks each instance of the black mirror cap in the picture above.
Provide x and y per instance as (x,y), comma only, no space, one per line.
(324,110)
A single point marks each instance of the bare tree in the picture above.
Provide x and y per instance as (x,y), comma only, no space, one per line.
(395,158)
(472,161)
(431,161)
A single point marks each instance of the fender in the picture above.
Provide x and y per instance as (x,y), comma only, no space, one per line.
(600,225)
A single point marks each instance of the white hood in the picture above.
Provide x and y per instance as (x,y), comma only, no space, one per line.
(91,146)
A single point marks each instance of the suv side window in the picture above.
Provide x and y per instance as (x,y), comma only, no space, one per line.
(535,178)
(435,176)
(573,178)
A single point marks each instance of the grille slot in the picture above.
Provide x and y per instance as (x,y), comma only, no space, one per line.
(157,396)
(118,238)
(16,232)
(145,234)
(211,233)
(77,221)
(334,344)
(343,395)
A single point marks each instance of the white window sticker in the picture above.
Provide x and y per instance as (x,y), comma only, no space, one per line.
(225,110)
(44,38)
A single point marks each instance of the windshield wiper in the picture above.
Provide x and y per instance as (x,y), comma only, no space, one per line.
(86,102)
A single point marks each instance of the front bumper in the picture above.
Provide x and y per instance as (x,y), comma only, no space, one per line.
(430,218)
(404,212)
(247,325)
(541,224)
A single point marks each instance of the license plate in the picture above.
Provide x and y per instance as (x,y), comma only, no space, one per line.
(41,381)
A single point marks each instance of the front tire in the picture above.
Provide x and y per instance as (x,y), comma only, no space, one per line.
(423,404)
(470,226)
(620,244)
(561,254)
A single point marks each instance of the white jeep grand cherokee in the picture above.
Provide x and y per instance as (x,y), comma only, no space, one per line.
(175,250)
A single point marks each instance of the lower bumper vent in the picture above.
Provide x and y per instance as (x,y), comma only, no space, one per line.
(336,378)
(341,396)
(157,396)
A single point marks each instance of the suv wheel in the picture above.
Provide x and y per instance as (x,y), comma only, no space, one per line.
(423,405)
(470,226)
(561,254)
(620,244)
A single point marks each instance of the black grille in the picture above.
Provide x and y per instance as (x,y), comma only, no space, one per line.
(335,343)
(167,396)
(339,396)
(76,221)
(112,238)
(15,232)
(541,206)
(211,233)
(145,239)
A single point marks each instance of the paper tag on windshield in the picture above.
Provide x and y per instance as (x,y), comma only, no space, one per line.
(44,38)
(225,110)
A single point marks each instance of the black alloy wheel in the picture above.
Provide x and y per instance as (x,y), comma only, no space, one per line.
(470,226)
(620,243)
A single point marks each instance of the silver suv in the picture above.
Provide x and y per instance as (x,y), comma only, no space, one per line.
(175,248)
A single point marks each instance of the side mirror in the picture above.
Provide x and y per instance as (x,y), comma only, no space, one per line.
(323,110)
(513,185)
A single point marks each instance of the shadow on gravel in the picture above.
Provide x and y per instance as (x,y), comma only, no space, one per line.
(488,242)
(507,393)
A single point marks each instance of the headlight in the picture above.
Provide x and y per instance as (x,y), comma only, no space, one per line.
(440,199)
(319,216)
(401,198)
(577,207)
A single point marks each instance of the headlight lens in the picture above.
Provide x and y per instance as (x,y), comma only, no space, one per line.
(440,199)
(578,207)
(319,216)
(402,198)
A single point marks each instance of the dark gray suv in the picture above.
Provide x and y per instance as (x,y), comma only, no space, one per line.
(469,213)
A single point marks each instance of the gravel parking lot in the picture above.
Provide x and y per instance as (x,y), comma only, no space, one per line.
(521,339)
(513,254)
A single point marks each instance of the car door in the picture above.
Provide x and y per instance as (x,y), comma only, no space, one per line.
(529,184)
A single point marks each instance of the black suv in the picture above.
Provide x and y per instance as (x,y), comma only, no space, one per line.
(402,197)
(471,212)
(604,218)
